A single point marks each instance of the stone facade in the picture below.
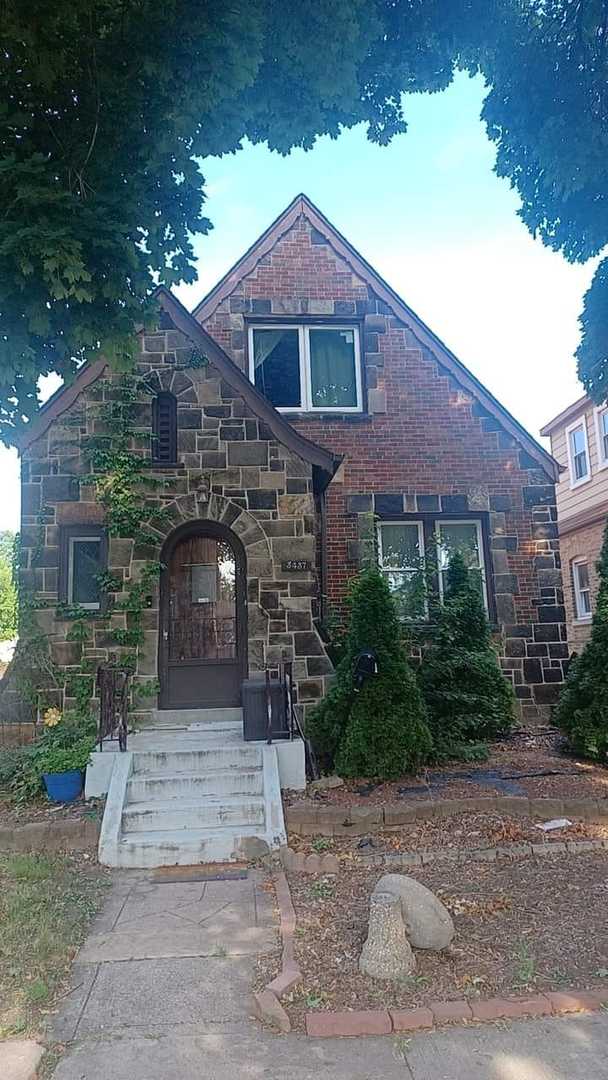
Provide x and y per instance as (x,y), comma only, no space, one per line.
(231,470)
(424,444)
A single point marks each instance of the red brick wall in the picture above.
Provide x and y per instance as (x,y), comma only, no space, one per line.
(421,435)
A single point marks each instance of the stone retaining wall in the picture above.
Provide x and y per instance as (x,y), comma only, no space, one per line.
(305,819)
(76,835)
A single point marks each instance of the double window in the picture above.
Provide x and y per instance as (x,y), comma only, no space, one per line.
(83,560)
(582,589)
(415,554)
(307,368)
(578,453)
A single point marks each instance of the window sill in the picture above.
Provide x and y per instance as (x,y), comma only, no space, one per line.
(584,620)
(158,466)
(296,414)
(580,483)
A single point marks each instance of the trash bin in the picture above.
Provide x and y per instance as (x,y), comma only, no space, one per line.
(255,716)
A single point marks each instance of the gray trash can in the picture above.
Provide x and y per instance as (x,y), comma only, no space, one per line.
(255,715)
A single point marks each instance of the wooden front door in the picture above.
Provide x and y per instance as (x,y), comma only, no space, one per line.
(203,632)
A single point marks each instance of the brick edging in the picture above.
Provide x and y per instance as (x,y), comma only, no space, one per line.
(267,1003)
(68,835)
(326,1025)
(298,862)
(309,820)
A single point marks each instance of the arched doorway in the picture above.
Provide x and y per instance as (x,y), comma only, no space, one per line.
(203,618)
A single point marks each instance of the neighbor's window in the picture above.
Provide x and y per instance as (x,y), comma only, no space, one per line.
(85,562)
(401,553)
(164,428)
(601,429)
(310,368)
(578,453)
(582,589)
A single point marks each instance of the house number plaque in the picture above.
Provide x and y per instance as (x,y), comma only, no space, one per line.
(301,565)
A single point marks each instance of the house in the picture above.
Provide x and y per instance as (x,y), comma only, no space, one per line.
(579,442)
(300,420)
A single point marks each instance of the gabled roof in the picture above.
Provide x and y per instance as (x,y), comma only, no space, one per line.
(302,205)
(569,413)
(322,460)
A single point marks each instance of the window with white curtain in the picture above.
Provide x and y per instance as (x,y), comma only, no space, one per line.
(307,368)
(582,589)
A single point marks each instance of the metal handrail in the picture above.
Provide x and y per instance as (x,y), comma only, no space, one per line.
(113,685)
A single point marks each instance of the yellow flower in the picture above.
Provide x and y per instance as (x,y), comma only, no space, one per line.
(51,717)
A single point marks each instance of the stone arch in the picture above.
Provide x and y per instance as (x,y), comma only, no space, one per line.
(205,506)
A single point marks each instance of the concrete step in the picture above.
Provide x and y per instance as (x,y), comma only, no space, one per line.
(191,814)
(187,717)
(176,848)
(146,787)
(197,760)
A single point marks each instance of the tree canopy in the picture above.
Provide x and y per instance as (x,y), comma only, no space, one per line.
(108,109)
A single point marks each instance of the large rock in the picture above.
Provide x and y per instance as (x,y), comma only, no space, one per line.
(387,953)
(428,923)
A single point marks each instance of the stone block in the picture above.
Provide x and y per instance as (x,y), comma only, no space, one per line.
(248,453)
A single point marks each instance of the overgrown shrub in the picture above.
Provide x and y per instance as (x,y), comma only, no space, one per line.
(380,730)
(467,697)
(582,711)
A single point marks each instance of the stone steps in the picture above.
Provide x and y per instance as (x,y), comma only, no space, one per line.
(190,794)
(191,813)
(147,786)
(184,848)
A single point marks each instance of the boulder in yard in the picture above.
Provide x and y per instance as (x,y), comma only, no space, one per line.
(428,923)
(387,953)
(326,783)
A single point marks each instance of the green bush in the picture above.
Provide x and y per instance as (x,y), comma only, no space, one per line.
(467,697)
(57,759)
(582,711)
(379,731)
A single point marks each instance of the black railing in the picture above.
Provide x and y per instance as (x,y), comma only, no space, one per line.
(294,727)
(113,685)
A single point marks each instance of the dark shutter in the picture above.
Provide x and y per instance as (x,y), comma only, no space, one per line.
(164,428)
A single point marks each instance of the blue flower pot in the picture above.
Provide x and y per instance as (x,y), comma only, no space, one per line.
(63,786)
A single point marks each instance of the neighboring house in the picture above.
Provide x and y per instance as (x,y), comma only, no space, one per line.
(579,442)
(325,422)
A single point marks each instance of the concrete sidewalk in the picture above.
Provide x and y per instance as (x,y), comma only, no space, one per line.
(161,992)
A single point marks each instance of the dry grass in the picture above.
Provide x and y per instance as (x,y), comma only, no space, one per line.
(46,905)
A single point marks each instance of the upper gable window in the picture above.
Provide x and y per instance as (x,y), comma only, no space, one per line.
(578,453)
(164,428)
(307,368)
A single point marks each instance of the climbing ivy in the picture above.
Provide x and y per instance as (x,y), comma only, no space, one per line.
(124,486)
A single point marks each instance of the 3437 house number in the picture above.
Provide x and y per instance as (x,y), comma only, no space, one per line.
(296,564)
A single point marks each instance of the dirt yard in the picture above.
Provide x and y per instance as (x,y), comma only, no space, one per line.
(521,926)
(458,832)
(44,811)
(526,763)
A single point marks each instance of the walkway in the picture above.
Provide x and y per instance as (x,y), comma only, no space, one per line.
(161,992)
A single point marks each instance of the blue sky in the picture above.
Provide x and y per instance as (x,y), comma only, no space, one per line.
(435,221)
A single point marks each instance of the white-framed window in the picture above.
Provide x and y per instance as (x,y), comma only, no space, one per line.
(401,557)
(84,565)
(307,368)
(601,434)
(578,453)
(466,538)
(582,589)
